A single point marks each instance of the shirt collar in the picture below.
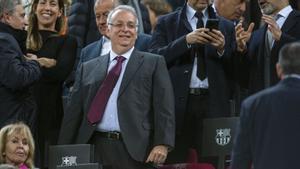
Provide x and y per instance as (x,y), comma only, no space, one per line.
(190,12)
(292,75)
(126,54)
(285,11)
(214,7)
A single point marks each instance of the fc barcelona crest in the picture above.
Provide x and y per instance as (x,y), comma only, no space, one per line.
(68,161)
(223,136)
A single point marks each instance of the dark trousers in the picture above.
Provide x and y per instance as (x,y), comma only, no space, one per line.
(191,136)
(112,154)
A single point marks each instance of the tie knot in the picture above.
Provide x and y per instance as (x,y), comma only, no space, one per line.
(120,59)
(276,17)
(199,15)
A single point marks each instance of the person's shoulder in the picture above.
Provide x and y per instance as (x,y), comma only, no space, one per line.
(8,41)
(170,17)
(148,55)
(226,22)
(262,96)
(6,37)
(92,46)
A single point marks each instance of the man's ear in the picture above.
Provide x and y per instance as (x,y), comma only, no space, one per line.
(279,71)
(5,17)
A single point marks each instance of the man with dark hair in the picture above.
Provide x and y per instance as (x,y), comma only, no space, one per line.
(268,134)
(197,58)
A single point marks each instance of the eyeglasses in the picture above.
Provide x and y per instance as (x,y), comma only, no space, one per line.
(120,25)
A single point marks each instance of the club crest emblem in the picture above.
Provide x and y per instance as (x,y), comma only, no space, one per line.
(223,136)
(68,161)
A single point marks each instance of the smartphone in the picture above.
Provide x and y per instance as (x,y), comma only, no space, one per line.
(212,24)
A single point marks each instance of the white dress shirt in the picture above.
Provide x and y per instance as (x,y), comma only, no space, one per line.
(106,46)
(110,121)
(195,81)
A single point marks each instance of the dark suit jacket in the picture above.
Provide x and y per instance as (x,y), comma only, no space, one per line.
(256,53)
(168,40)
(93,50)
(16,76)
(145,104)
(268,134)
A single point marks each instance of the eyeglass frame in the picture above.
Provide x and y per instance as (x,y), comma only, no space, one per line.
(122,25)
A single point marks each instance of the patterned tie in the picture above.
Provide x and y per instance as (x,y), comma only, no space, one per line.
(201,67)
(98,105)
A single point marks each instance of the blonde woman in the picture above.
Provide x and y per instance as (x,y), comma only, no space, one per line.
(17,146)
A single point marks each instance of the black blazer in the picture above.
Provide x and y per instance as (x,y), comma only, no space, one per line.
(268,134)
(168,40)
(256,51)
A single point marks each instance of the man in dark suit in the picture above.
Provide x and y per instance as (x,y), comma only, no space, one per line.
(268,134)
(17,72)
(177,39)
(137,127)
(282,26)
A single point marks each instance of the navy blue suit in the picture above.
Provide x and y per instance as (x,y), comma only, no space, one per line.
(256,53)
(169,40)
(268,134)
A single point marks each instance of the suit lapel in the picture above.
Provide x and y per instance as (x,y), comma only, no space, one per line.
(101,70)
(290,21)
(135,61)
(182,24)
(100,43)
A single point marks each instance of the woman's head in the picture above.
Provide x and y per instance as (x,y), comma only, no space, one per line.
(44,15)
(16,145)
(47,14)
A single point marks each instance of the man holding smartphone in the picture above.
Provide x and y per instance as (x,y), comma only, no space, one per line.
(181,37)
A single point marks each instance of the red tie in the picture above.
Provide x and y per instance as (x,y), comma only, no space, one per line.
(98,105)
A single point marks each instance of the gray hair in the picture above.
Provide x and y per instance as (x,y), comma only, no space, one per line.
(8,6)
(115,3)
(122,8)
(289,58)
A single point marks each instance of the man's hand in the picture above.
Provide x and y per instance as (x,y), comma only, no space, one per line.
(242,36)
(198,36)
(158,154)
(216,39)
(272,27)
(30,56)
(44,62)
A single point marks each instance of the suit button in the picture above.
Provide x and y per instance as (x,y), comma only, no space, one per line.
(186,72)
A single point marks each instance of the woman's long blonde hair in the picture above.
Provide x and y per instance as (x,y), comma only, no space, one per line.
(17,128)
